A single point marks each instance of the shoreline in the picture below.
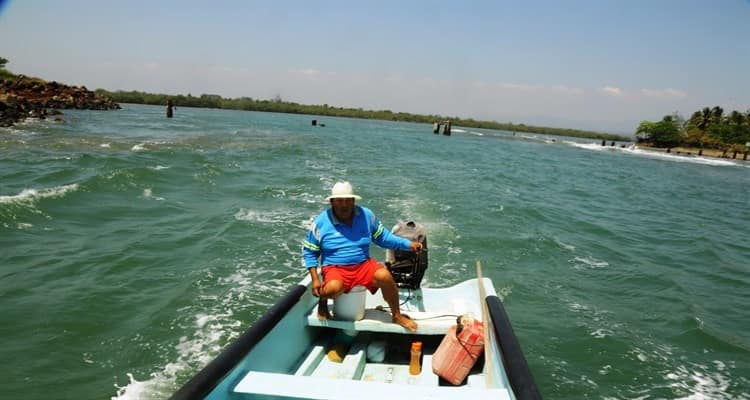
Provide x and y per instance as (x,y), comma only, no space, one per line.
(26,97)
(694,151)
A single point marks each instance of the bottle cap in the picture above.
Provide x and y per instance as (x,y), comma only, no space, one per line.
(416,346)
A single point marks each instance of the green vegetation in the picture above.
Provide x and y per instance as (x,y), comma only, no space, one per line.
(708,128)
(280,106)
(4,73)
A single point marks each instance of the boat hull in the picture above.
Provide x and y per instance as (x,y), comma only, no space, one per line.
(288,346)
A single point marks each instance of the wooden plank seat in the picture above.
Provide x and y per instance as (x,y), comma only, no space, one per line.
(375,320)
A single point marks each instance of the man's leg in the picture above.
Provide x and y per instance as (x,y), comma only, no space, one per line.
(330,290)
(384,280)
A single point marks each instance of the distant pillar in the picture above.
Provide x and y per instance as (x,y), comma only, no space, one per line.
(613,143)
(734,156)
(604,142)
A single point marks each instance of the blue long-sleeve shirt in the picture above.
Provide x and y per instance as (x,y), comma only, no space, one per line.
(337,243)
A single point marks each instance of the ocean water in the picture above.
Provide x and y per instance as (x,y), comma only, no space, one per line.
(133,247)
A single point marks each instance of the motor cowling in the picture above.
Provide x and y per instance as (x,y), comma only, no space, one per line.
(408,267)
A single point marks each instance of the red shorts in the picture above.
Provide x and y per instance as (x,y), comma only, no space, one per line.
(353,275)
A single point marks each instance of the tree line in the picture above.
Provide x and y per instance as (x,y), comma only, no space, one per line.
(281,106)
(4,73)
(709,128)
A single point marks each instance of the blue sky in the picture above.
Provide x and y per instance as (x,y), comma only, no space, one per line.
(601,65)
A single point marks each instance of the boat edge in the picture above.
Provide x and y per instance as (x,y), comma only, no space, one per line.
(200,385)
(516,367)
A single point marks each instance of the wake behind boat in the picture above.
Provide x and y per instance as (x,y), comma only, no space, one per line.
(468,348)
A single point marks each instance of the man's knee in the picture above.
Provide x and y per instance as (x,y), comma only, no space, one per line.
(332,289)
(382,275)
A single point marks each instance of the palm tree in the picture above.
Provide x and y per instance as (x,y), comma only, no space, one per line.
(717,114)
(736,118)
(704,120)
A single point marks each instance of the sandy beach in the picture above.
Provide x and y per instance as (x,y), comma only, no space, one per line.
(695,151)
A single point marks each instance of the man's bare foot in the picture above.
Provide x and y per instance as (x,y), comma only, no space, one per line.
(405,321)
(323,313)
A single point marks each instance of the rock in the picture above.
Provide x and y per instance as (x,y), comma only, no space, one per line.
(26,97)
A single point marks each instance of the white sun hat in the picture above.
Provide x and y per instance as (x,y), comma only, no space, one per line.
(343,190)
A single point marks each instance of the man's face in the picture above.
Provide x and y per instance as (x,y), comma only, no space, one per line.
(343,208)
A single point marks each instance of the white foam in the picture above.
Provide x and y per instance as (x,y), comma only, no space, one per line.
(504,292)
(139,147)
(700,382)
(590,262)
(148,194)
(632,149)
(601,333)
(273,217)
(30,195)
(569,247)
(211,329)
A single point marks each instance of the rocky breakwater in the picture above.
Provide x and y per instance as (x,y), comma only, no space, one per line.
(25,97)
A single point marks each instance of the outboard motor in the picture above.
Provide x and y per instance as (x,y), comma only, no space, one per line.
(408,267)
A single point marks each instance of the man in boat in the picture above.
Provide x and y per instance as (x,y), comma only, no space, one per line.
(340,237)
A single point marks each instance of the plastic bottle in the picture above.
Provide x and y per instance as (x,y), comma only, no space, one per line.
(415,367)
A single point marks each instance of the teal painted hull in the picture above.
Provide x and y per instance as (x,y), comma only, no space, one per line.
(283,355)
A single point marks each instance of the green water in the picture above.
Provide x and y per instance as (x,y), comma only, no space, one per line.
(133,247)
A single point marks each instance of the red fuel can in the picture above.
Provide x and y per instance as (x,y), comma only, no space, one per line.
(458,353)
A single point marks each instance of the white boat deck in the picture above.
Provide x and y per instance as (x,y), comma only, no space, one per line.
(355,378)
(310,387)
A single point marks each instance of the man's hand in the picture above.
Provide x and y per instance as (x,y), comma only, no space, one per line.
(316,285)
(416,247)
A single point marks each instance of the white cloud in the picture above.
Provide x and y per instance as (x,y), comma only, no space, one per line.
(668,92)
(523,87)
(611,90)
(309,72)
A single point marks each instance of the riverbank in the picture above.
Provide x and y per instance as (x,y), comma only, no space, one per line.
(692,151)
(24,97)
(280,106)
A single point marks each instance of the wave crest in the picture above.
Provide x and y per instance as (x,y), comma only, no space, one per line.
(32,195)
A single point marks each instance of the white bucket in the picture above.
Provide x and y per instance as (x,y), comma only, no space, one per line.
(350,306)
